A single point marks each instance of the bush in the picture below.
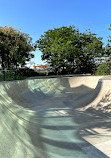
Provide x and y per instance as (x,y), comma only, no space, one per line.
(19,74)
(103,69)
(42,74)
(27,72)
(10,76)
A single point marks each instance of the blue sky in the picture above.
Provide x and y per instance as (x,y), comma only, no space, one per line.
(36,16)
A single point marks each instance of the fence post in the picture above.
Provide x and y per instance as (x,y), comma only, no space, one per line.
(15,74)
(4,75)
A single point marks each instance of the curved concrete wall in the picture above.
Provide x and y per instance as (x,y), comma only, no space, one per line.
(35,113)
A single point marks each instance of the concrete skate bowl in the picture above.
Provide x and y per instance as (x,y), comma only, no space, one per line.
(55,117)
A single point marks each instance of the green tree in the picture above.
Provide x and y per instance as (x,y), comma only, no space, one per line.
(54,45)
(68,50)
(15,47)
(103,68)
(89,48)
(108,49)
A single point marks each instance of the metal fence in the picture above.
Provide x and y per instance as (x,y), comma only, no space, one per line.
(7,75)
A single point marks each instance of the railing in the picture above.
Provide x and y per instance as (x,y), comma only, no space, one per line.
(7,75)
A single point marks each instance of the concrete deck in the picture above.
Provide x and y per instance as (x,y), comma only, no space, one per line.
(56,118)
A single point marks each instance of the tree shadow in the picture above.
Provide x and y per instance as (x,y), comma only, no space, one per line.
(58,128)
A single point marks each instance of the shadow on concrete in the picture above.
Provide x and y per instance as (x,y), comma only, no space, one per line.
(56,129)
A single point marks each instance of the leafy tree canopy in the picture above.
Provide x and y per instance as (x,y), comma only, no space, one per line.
(15,47)
(66,49)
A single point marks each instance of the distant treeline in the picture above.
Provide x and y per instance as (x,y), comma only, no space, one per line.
(65,49)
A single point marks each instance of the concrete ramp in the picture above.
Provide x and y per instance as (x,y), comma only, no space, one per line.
(55,118)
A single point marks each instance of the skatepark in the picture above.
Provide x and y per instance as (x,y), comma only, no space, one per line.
(68,117)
